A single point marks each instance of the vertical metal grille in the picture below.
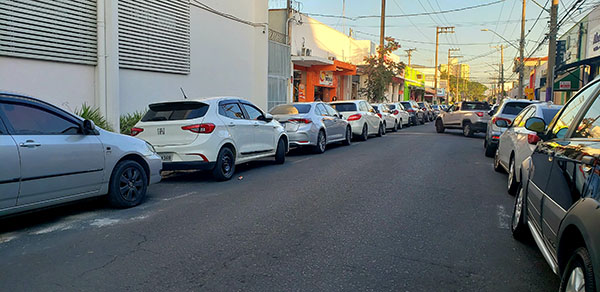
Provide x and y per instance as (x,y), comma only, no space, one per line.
(279,71)
(155,35)
(56,30)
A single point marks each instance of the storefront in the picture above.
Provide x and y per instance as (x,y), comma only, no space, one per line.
(317,78)
(414,84)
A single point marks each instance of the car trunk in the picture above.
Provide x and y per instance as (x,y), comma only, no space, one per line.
(163,123)
(291,123)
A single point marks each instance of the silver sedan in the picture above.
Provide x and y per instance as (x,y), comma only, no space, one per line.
(313,124)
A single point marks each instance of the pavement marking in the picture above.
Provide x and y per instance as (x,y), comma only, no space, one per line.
(503,218)
(55,227)
(180,196)
(303,159)
(104,222)
(4,238)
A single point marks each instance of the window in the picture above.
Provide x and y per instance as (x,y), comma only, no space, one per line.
(173,111)
(2,128)
(291,109)
(406,105)
(231,110)
(549,113)
(519,118)
(589,126)
(321,110)
(363,107)
(253,113)
(514,108)
(476,106)
(30,120)
(561,122)
(345,107)
(528,114)
(331,111)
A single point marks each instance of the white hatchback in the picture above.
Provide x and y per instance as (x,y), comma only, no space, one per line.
(361,116)
(212,134)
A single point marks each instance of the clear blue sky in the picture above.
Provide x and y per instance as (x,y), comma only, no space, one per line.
(504,18)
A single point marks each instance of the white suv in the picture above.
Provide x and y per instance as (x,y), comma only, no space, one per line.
(213,133)
(361,116)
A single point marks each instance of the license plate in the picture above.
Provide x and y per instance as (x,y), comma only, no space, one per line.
(166,156)
(291,127)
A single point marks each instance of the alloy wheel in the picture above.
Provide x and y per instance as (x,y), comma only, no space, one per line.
(322,141)
(576,281)
(518,210)
(130,184)
(226,165)
(511,173)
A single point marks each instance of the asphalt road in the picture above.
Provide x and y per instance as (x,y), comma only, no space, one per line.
(412,211)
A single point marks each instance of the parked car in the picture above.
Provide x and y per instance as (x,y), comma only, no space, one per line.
(211,134)
(436,110)
(557,201)
(417,115)
(507,111)
(389,120)
(517,143)
(363,119)
(50,156)
(401,114)
(470,116)
(427,109)
(313,124)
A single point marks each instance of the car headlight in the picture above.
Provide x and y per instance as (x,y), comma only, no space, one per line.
(150,147)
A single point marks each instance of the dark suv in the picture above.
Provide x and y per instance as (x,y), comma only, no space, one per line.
(559,199)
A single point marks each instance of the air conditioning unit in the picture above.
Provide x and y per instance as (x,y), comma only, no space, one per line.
(306,52)
(332,58)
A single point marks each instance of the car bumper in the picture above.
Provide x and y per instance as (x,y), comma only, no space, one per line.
(356,126)
(479,127)
(188,165)
(303,137)
(155,166)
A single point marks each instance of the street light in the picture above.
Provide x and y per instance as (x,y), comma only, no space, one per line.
(486,29)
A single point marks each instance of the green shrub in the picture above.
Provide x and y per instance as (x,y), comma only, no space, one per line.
(129,120)
(93,114)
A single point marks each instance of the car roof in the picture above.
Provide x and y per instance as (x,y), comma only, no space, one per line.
(347,101)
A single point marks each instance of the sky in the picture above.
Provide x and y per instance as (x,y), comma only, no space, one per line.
(419,31)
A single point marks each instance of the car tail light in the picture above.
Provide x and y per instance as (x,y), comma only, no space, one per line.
(479,114)
(378,114)
(495,137)
(301,121)
(135,131)
(533,139)
(498,118)
(410,110)
(355,117)
(396,112)
(200,128)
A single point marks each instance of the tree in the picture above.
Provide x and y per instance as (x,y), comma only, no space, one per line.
(381,70)
(474,90)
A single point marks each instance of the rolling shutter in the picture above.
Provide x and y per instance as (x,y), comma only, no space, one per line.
(56,30)
(154,35)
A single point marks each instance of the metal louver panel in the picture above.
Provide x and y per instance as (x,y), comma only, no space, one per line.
(55,30)
(154,35)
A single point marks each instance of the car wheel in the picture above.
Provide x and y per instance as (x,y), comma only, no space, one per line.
(489,149)
(497,166)
(365,133)
(512,180)
(280,153)
(348,139)
(395,129)
(579,273)
(467,130)
(422,120)
(439,126)
(225,165)
(321,143)
(128,184)
(384,128)
(518,225)
(380,131)
(400,126)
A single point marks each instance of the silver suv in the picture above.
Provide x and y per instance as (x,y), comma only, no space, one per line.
(507,111)
(470,116)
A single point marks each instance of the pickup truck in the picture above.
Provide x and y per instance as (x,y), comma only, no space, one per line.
(470,116)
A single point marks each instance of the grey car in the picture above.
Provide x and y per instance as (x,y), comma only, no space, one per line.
(50,156)
(313,124)
(506,111)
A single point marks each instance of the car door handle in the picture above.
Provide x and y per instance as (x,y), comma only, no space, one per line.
(30,144)
(256,124)
(231,124)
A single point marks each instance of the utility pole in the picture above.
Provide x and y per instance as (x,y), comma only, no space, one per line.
(382,30)
(438,30)
(501,47)
(521,51)
(409,51)
(448,70)
(289,27)
(551,51)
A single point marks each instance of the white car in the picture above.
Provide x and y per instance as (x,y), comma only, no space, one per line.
(401,114)
(49,157)
(389,120)
(362,118)
(517,143)
(211,134)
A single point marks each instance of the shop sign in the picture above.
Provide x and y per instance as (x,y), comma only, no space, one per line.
(441,92)
(530,93)
(326,78)
(593,36)
(565,85)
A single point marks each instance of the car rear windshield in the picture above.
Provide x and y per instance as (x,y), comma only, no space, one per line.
(345,107)
(173,111)
(514,108)
(392,106)
(475,106)
(406,104)
(549,114)
(421,104)
(290,109)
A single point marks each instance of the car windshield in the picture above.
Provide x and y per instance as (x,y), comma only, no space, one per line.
(290,109)
(475,106)
(173,111)
(344,107)
(435,106)
(406,104)
(514,108)
(549,114)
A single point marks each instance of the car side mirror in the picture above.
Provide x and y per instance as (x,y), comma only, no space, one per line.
(535,124)
(340,116)
(89,127)
(491,113)
(501,123)
(267,118)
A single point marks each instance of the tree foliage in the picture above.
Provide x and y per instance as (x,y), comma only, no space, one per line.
(473,90)
(380,71)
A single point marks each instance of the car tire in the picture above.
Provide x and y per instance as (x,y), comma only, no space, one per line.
(321,143)
(395,129)
(490,150)
(365,133)
(518,226)
(579,272)
(439,126)
(422,120)
(497,166)
(400,126)
(128,184)
(467,130)
(348,139)
(512,180)
(225,165)
(280,152)
(381,131)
